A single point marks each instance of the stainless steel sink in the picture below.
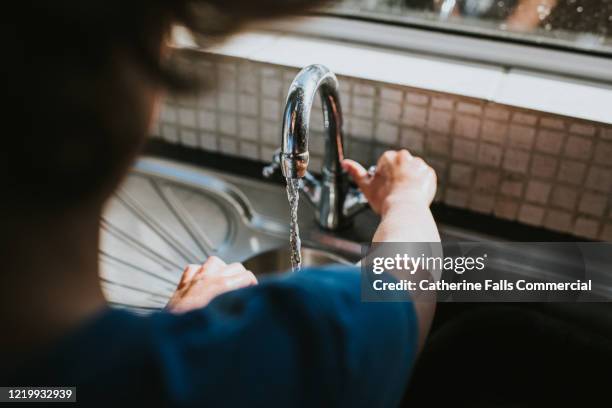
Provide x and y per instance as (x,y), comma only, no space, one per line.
(168,215)
(277,260)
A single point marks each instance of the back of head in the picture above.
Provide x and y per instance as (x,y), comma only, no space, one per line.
(79,81)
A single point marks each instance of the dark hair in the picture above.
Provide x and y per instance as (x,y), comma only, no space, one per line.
(77,75)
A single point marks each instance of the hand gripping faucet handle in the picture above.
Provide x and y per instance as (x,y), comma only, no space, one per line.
(355,200)
(270,169)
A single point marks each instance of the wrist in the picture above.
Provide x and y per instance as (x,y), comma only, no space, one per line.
(403,201)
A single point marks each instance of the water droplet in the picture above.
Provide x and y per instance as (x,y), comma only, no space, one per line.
(543,11)
(580,9)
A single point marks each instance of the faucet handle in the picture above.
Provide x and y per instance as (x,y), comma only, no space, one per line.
(354,202)
(270,169)
(312,189)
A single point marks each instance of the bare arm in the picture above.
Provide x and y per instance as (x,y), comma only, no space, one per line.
(401,191)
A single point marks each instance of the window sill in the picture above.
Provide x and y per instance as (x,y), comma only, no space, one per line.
(511,85)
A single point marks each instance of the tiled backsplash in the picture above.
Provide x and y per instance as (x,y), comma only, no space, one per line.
(539,169)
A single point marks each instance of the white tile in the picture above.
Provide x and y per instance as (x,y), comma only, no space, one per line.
(531,214)
(270,109)
(168,114)
(389,111)
(228,146)
(600,179)
(416,98)
(189,137)
(208,141)
(467,126)
(456,197)
(248,128)
(248,104)
(586,227)
(537,191)
(208,100)
(249,150)
(461,174)
(361,128)
(391,94)
(558,221)
(227,124)
(271,87)
(363,106)
(266,154)
(169,133)
(506,208)
(364,89)
(187,117)
(413,140)
(207,120)
(227,102)
(593,204)
(270,133)
(386,133)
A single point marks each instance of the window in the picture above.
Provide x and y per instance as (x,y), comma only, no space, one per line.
(584,25)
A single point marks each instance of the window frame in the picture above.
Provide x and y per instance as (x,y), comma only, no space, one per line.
(506,52)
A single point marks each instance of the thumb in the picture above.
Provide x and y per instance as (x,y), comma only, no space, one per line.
(357,172)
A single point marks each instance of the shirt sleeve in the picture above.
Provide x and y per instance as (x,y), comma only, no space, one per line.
(305,339)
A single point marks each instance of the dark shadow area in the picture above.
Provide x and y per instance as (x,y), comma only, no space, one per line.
(515,355)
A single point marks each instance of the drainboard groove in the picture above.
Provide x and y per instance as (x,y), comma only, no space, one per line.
(186,220)
(133,205)
(135,289)
(130,265)
(143,249)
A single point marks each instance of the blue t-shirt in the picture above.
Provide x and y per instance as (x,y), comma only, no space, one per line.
(302,340)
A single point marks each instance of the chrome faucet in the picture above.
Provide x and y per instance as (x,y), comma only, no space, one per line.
(334,200)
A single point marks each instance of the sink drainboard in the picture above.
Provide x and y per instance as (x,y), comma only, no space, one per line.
(167,215)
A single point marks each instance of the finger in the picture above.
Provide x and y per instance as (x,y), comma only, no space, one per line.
(387,158)
(252,278)
(213,265)
(418,165)
(434,176)
(357,172)
(246,276)
(232,269)
(241,280)
(188,274)
(238,268)
(403,155)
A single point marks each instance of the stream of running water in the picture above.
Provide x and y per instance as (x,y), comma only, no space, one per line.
(295,245)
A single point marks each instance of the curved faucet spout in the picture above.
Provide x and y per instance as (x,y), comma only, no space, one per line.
(335,202)
(296,121)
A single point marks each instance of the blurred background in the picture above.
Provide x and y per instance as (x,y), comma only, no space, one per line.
(578,24)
